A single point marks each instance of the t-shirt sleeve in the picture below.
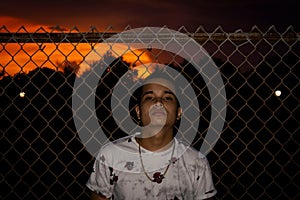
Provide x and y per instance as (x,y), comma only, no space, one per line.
(100,179)
(203,183)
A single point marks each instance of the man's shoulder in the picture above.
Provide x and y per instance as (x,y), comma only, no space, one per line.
(122,141)
(191,154)
(112,147)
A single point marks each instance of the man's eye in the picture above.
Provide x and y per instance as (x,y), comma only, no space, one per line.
(168,98)
(149,98)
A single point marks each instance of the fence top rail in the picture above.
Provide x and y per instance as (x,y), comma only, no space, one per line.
(87,37)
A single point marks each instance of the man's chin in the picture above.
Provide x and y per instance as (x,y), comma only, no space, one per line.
(152,129)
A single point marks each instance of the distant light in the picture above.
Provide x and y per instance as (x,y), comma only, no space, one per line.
(22,94)
(278,93)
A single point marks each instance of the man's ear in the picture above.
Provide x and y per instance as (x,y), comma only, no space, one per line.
(179,113)
(137,111)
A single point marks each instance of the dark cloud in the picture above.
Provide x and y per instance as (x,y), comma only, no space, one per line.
(231,14)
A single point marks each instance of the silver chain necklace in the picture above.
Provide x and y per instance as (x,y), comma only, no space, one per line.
(157,176)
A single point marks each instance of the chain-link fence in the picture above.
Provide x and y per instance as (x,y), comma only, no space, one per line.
(42,156)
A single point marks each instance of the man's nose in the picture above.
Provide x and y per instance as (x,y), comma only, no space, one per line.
(158,101)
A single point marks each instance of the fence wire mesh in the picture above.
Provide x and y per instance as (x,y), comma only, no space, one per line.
(42,156)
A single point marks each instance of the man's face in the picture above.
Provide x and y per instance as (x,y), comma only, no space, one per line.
(158,106)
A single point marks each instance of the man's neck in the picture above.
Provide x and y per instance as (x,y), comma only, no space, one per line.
(158,142)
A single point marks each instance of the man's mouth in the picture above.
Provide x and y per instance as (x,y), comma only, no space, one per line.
(158,112)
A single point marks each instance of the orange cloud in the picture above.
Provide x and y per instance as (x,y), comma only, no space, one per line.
(14,24)
(137,58)
(23,58)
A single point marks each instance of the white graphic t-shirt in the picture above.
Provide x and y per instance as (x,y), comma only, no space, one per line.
(121,172)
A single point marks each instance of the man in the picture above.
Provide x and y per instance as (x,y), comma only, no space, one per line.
(152,164)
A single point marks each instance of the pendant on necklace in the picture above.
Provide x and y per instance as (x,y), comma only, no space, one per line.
(158,177)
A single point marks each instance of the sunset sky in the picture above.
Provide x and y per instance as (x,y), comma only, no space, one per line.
(230,14)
